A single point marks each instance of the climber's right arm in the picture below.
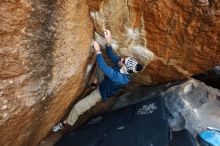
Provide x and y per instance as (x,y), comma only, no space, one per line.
(114,58)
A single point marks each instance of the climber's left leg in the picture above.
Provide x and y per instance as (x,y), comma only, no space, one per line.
(83,105)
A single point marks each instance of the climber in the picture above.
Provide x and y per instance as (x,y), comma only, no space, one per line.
(110,81)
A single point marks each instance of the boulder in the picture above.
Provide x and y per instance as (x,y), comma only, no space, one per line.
(194,102)
(44,54)
(173,39)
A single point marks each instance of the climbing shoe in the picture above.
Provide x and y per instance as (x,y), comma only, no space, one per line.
(58,127)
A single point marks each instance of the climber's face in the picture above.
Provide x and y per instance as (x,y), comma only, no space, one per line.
(121,63)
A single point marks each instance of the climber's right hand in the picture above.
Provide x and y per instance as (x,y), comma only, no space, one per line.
(108,36)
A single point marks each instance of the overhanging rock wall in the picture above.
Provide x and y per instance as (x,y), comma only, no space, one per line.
(175,38)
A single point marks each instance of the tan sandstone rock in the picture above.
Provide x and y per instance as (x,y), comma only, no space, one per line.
(44,53)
